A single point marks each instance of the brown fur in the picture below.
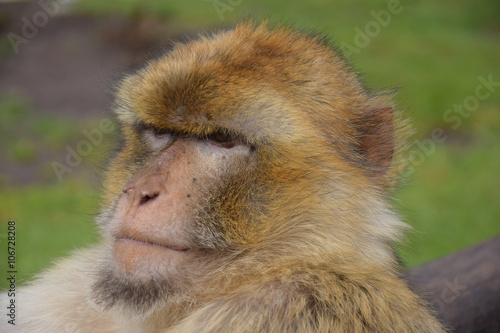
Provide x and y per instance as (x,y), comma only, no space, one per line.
(302,231)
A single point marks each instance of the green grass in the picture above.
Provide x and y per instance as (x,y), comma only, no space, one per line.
(50,222)
(452,201)
(25,134)
(433,51)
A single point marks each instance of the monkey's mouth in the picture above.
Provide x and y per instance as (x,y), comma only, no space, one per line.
(123,238)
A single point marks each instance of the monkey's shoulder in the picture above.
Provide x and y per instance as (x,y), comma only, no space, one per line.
(325,300)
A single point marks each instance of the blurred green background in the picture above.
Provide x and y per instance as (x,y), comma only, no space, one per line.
(437,53)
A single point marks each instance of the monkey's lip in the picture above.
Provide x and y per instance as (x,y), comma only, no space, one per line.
(151,243)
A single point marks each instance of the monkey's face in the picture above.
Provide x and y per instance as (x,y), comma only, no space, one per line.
(165,223)
(232,145)
(166,214)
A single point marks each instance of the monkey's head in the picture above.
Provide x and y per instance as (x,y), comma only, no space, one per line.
(251,143)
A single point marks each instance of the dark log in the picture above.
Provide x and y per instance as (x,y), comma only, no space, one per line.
(463,287)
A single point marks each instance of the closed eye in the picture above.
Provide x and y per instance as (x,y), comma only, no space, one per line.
(222,139)
(156,138)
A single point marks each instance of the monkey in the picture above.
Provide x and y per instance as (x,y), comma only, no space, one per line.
(251,194)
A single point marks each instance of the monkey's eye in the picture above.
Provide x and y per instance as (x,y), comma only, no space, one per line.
(157,138)
(222,139)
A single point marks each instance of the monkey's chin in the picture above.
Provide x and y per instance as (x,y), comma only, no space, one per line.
(143,259)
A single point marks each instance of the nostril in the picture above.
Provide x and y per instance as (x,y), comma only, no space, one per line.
(127,188)
(145,197)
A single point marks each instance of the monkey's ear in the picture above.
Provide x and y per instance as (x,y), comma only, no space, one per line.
(376,141)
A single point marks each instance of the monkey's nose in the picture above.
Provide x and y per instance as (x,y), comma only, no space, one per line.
(142,197)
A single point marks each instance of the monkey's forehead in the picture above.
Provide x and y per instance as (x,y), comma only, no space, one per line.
(248,77)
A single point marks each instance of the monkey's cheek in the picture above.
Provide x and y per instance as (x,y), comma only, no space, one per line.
(137,258)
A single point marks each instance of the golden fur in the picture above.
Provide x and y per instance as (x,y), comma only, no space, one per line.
(308,220)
